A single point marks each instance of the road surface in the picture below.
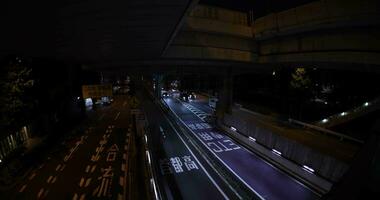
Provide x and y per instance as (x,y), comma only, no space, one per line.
(261,177)
(88,166)
(181,171)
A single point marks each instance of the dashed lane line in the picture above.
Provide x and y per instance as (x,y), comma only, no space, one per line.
(117,116)
(49,179)
(22,188)
(121,181)
(32,176)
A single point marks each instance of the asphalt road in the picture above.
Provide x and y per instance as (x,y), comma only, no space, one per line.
(258,175)
(182,173)
(89,166)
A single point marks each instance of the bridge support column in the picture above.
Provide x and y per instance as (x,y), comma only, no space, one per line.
(224,104)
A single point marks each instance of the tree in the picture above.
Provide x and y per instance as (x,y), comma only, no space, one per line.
(300,86)
(16,102)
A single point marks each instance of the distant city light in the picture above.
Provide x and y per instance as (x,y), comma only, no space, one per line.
(274,73)
(0,161)
(276,152)
(326,103)
(78,98)
(343,114)
(366,104)
(308,169)
(233,128)
(252,139)
(325,120)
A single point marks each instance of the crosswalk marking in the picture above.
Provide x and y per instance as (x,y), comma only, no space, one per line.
(196,111)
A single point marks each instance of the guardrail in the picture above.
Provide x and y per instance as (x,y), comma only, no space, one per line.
(333,133)
(366,107)
(154,189)
(306,125)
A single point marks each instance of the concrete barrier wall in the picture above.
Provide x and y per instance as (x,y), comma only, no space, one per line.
(317,15)
(220,14)
(324,165)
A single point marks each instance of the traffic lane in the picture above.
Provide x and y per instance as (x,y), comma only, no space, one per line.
(188,173)
(202,105)
(268,181)
(264,179)
(43,181)
(190,178)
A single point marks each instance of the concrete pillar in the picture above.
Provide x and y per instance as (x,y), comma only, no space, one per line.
(224,104)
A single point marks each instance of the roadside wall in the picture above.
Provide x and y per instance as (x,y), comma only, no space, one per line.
(324,165)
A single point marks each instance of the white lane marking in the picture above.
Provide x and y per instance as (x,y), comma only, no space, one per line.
(49,179)
(125,156)
(88,182)
(125,147)
(254,191)
(191,152)
(75,197)
(62,167)
(40,193)
(81,182)
(106,187)
(82,196)
(119,197)
(117,116)
(123,167)
(32,176)
(54,179)
(121,181)
(22,188)
(93,168)
(101,187)
(58,167)
(87,168)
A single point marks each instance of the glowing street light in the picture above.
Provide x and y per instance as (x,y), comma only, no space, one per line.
(325,120)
